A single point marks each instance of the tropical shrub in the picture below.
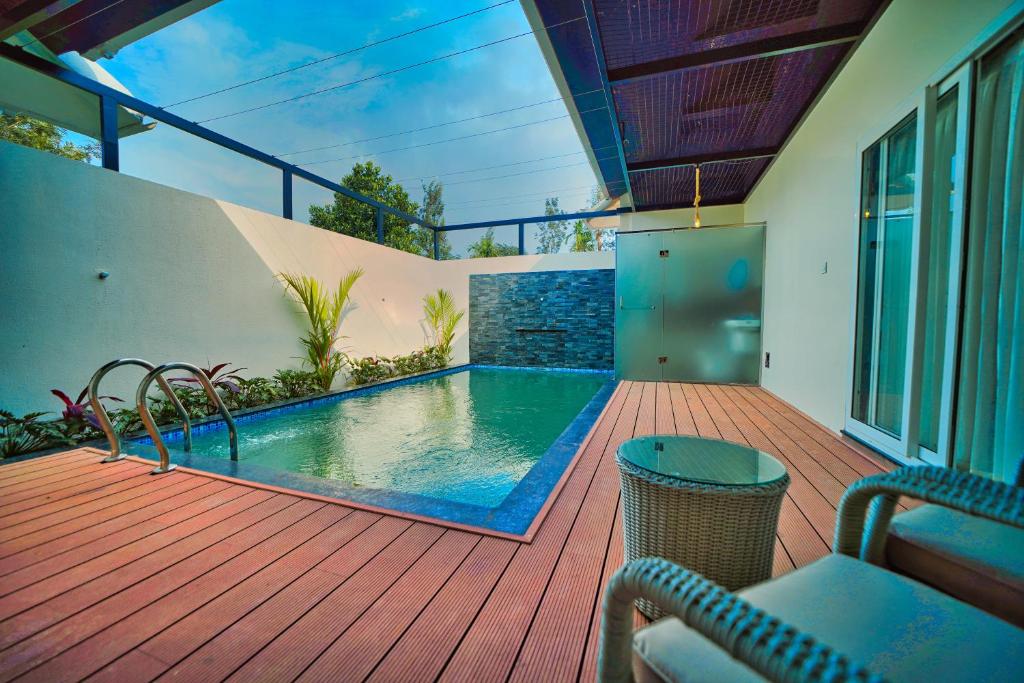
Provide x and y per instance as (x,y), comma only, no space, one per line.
(296,383)
(443,318)
(194,400)
(378,368)
(77,422)
(126,420)
(253,392)
(23,434)
(370,369)
(324,311)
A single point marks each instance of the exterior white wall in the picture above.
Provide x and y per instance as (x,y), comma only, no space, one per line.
(191,278)
(809,197)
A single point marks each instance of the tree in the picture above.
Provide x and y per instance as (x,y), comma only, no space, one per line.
(356,219)
(582,237)
(486,247)
(37,134)
(553,233)
(432,211)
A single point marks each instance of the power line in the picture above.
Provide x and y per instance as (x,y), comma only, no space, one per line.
(513,175)
(514,163)
(486,168)
(517,196)
(336,54)
(381,74)
(436,142)
(418,130)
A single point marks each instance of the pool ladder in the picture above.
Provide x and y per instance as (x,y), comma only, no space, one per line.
(156,374)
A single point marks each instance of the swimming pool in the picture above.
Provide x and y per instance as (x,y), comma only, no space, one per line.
(475,445)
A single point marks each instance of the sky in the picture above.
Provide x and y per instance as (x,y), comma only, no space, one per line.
(238,40)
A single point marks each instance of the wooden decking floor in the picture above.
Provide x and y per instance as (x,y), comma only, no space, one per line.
(109,574)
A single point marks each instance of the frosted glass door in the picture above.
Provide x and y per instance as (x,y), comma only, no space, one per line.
(712,300)
(638,329)
(689,305)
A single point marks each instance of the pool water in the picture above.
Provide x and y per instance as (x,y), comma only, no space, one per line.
(469,437)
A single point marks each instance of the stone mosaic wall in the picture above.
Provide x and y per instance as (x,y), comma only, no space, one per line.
(557,319)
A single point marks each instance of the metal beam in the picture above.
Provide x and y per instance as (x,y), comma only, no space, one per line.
(522,238)
(84,83)
(380,225)
(286,194)
(537,219)
(735,155)
(766,47)
(108,134)
(602,69)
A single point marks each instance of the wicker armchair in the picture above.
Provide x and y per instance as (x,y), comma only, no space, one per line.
(867,507)
(858,608)
(765,644)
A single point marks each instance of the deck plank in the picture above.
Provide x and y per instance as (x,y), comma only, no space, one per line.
(14,525)
(221,656)
(492,644)
(109,574)
(42,561)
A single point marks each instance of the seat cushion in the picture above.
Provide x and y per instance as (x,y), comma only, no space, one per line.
(896,627)
(973,559)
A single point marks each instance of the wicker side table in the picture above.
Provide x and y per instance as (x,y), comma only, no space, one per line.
(708,505)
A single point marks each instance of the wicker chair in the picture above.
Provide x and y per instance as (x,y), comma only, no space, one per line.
(973,558)
(886,626)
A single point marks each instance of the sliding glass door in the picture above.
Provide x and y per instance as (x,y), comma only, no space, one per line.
(908,277)
(883,283)
(948,111)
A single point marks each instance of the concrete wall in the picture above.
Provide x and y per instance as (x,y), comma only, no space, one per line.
(555,319)
(809,197)
(191,278)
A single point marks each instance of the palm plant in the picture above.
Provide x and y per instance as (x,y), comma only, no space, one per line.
(324,311)
(442,318)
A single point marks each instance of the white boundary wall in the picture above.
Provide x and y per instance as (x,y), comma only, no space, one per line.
(191,278)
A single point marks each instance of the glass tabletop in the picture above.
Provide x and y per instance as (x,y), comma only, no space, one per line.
(707,461)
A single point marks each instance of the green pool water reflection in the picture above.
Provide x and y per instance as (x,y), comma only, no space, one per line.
(468,437)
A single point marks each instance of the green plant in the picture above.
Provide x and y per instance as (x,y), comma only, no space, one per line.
(296,383)
(324,311)
(443,318)
(253,392)
(23,434)
(126,420)
(379,368)
(195,401)
(370,369)
(487,246)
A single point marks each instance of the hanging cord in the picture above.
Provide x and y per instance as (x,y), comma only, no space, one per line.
(696,197)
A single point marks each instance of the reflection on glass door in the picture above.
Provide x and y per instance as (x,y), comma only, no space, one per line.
(883,283)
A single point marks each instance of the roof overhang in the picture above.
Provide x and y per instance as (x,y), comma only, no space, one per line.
(27,91)
(718,83)
(92,28)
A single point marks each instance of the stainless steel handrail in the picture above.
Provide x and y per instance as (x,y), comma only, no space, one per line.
(101,413)
(150,424)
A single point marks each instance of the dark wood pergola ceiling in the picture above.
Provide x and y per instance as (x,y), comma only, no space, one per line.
(91,27)
(720,83)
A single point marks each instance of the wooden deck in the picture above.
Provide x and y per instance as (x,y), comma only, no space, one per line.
(109,574)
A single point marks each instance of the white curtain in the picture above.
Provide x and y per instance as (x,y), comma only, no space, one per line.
(990,398)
